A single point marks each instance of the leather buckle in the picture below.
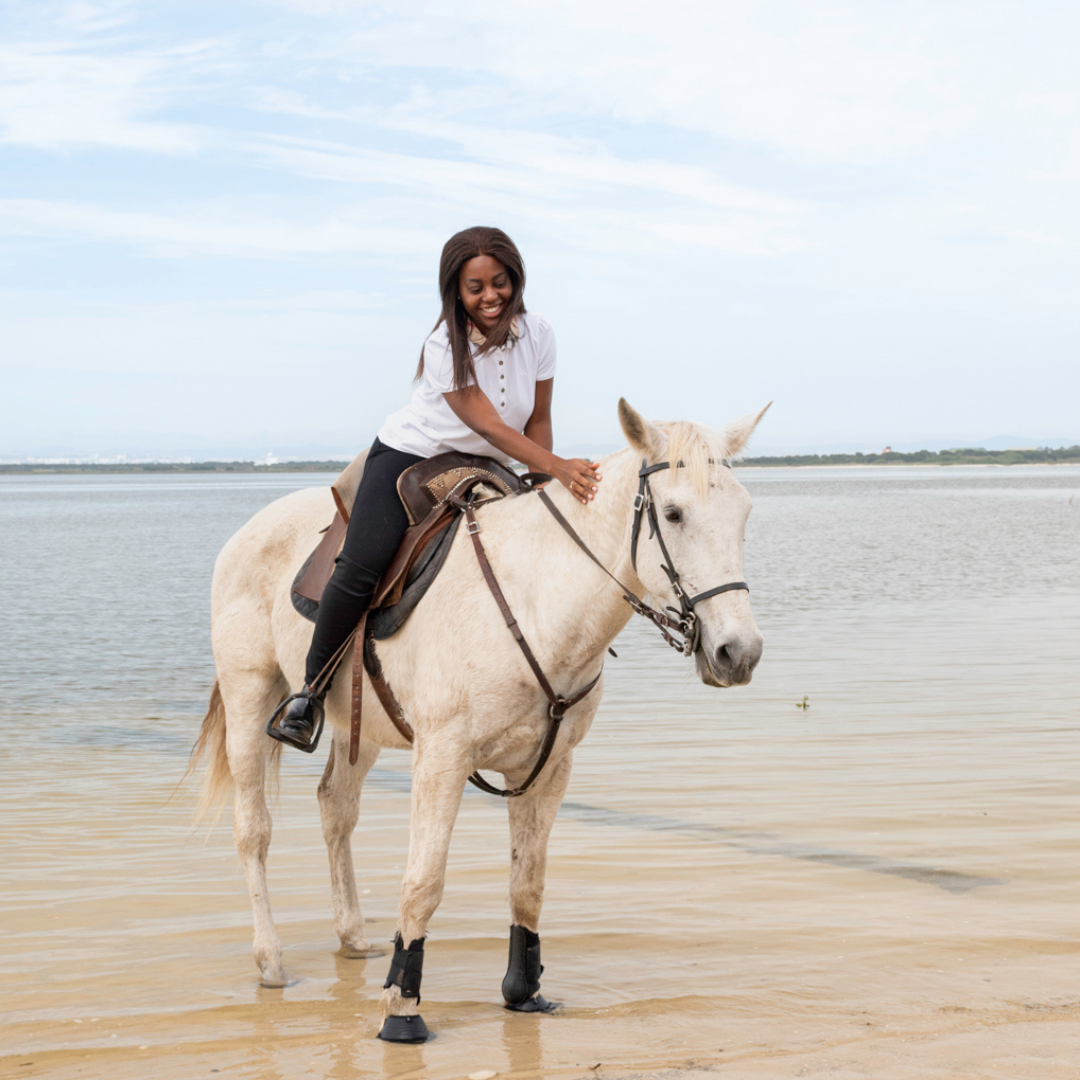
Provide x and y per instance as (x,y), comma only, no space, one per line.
(640,502)
(561,705)
(473,527)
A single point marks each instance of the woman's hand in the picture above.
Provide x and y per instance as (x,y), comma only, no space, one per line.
(533,448)
(578,476)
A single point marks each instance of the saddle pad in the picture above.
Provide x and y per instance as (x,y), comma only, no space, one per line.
(387,621)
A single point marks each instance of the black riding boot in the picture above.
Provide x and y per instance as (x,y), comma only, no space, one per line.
(344,601)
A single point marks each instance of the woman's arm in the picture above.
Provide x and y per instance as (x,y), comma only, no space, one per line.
(473,407)
(538,428)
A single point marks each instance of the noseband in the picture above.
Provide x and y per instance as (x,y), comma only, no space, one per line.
(680,629)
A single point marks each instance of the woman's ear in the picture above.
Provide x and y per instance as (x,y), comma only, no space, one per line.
(644,437)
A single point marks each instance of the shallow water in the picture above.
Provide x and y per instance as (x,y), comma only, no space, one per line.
(884,884)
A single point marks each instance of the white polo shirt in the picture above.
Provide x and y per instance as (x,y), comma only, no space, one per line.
(507,375)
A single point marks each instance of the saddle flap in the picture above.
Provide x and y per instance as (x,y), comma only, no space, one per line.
(428,485)
(347,485)
(425,490)
(315,573)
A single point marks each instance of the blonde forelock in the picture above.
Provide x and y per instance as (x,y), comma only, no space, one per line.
(701,450)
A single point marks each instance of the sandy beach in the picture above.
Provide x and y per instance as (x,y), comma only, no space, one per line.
(883,885)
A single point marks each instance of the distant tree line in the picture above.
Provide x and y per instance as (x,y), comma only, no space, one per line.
(1044,455)
(176,467)
(1064,455)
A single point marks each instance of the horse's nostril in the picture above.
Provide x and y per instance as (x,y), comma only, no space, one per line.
(723,656)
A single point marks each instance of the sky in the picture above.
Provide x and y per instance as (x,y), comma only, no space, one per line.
(220,223)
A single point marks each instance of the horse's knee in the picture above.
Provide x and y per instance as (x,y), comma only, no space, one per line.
(526,898)
(419,901)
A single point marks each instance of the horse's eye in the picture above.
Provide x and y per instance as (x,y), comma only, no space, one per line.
(673,514)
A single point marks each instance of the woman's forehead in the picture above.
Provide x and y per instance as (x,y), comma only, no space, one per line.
(481,267)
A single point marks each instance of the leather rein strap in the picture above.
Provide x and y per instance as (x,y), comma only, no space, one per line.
(557,705)
(682,621)
(365,658)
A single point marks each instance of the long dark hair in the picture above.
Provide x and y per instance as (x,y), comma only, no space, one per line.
(459,249)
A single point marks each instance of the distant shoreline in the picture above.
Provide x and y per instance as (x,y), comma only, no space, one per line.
(1061,456)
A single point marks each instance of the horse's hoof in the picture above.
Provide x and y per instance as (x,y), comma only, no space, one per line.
(534,1004)
(273,982)
(404,1029)
(351,953)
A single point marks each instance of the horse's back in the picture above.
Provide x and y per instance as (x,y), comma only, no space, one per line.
(269,547)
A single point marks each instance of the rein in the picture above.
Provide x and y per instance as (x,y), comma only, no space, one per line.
(682,621)
(557,705)
(679,629)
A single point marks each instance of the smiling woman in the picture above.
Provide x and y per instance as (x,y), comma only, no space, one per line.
(484,386)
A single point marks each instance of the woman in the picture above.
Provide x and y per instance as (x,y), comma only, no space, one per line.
(483,387)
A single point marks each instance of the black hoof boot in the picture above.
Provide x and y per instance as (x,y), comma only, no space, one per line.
(521,986)
(298,721)
(406,971)
(405,1029)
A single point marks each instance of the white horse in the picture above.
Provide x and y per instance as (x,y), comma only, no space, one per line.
(465,688)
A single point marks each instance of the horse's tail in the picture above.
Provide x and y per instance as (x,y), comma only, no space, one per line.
(211,741)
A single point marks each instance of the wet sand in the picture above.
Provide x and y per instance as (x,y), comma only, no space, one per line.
(883,885)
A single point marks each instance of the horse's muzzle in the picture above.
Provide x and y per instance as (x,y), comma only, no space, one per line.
(731,662)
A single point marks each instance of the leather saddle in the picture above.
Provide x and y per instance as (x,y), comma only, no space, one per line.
(425,490)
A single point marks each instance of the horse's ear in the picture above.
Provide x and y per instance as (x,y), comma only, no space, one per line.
(644,437)
(738,432)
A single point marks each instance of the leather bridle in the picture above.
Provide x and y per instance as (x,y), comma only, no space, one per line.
(686,622)
(679,629)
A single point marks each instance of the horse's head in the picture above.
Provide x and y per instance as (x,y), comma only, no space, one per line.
(701,511)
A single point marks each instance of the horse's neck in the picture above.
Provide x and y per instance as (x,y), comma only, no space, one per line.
(586,609)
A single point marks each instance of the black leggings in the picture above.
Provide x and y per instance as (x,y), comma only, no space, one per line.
(376,526)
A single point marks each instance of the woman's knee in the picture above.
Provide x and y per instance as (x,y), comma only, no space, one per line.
(353,578)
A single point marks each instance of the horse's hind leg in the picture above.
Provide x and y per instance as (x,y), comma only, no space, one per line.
(339,805)
(249,700)
(531,817)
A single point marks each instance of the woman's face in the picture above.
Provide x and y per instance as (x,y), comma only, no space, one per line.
(486,289)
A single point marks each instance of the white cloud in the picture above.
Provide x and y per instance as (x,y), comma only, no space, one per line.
(841,81)
(215,230)
(804,192)
(52,98)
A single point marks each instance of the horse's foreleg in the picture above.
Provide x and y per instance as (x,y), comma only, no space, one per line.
(531,817)
(339,806)
(440,769)
(247,748)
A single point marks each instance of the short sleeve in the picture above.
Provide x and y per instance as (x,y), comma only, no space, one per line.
(439,363)
(545,351)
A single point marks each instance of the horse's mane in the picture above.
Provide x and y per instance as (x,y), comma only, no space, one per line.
(700,449)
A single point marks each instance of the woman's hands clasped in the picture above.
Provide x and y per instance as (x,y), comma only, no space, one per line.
(579,477)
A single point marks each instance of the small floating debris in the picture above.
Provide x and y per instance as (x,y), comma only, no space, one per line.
(804,704)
